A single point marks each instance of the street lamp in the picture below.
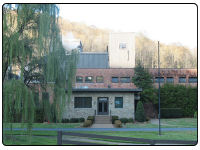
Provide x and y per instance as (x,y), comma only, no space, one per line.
(159,88)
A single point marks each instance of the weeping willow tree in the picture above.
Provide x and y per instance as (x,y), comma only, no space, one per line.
(31,31)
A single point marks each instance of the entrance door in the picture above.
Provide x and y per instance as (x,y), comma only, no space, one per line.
(102,106)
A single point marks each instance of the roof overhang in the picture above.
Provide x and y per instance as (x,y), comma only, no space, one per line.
(106,90)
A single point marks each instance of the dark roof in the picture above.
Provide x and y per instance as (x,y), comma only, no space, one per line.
(93,60)
(105,90)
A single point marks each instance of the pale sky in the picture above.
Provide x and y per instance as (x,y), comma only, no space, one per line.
(172,23)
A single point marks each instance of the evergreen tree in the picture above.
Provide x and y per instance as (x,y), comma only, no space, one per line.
(142,77)
(140,114)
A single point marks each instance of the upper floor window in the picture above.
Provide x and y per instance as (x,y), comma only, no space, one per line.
(125,79)
(89,79)
(79,79)
(182,79)
(192,79)
(170,80)
(115,80)
(162,80)
(122,45)
(99,79)
(83,102)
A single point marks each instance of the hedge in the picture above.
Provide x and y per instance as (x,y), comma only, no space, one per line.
(179,96)
(171,112)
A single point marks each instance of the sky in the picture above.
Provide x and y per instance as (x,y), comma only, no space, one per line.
(172,23)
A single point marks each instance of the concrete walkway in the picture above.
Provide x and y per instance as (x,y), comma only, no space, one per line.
(108,129)
(102,126)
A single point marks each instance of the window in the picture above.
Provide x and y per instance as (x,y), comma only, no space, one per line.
(162,80)
(118,102)
(182,80)
(115,80)
(99,79)
(79,79)
(122,45)
(89,79)
(125,79)
(192,79)
(170,80)
(83,102)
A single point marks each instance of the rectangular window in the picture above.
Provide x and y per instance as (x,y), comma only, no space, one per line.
(79,79)
(192,79)
(122,45)
(115,80)
(182,79)
(162,80)
(99,79)
(83,102)
(125,79)
(170,80)
(118,102)
(89,79)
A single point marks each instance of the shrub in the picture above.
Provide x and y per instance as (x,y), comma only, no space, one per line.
(65,120)
(91,118)
(130,120)
(140,115)
(74,120)
(87,123)
(179,96)
(171,112)
(114,118)
(195,114)
(118,123)
(81,119)
(124,120)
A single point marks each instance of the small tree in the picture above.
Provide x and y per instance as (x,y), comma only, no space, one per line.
(142,78)
(140,115)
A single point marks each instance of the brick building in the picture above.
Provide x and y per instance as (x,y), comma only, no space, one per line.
(104,80)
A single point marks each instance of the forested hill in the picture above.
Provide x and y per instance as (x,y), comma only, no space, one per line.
(96,40)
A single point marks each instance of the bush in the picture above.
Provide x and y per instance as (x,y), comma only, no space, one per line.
(171,112)
(81,119)
(114,118)
(123,120)
(118,124)
(195,114)
(87,123)
(91,118)
(130,120)
(179,96)
(65,120)
(140,114)
(74,120)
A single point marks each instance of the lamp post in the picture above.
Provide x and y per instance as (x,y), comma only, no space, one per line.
(159,88)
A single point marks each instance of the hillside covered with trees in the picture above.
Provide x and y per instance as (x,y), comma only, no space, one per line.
(96,40)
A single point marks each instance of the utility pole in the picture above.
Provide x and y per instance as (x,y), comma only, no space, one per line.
(159,87)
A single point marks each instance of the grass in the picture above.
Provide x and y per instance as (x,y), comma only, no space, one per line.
(52,139)
(166,123)
(37,138)
(48,125)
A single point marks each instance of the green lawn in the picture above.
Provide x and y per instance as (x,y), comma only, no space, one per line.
(51,135)
(49,125)
(166,123)
(52,139)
